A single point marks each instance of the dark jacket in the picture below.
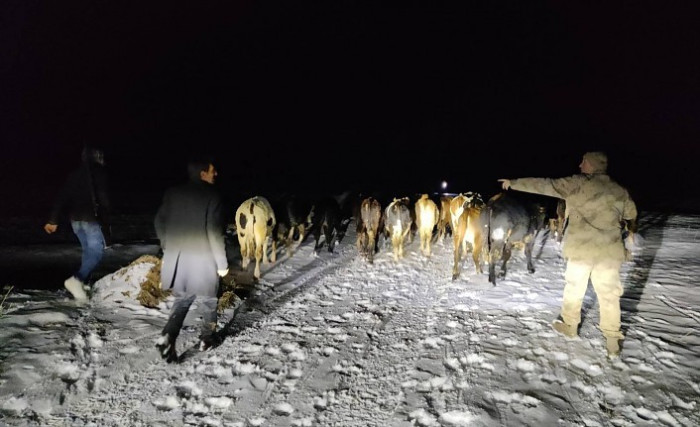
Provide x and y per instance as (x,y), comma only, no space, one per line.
(189,224)
(76,196)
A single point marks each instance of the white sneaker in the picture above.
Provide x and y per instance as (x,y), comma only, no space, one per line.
(75,287)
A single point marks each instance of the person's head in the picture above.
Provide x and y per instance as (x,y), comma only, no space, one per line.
(594,162)
(202,170)
(92,155)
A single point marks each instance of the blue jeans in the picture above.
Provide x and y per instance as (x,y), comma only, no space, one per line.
(93,243)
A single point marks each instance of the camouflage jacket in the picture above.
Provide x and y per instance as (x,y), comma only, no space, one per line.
(595,206)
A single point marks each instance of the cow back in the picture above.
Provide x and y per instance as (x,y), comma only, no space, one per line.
(370,214)
(427,214)
(398,214)
(506,215)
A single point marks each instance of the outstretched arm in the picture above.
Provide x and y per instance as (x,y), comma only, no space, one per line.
(558,187)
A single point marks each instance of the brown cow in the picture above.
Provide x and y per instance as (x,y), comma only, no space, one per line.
(465,214)
(427,216)
(444,221)
(557,225)
(368,227)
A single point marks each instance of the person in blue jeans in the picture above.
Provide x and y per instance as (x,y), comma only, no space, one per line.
(84,197)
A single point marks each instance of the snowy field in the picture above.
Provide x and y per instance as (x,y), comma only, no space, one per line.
(330,340)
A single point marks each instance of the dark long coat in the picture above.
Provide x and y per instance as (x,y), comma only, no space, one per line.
(189,224)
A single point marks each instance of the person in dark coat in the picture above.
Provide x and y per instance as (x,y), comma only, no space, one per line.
(84,197)
(189,224)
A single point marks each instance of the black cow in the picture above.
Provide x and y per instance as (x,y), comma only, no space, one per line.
(326,219)
(508,223)
(293,221)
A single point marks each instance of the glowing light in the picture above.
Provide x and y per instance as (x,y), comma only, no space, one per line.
(444,185)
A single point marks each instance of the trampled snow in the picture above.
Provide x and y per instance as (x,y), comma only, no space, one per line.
(329,339)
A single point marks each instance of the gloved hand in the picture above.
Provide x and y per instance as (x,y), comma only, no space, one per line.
(227,278)
(505,183)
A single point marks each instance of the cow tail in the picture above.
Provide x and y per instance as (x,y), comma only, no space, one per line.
(488,230)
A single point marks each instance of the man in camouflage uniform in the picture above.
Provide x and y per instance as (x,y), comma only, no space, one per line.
(596,206)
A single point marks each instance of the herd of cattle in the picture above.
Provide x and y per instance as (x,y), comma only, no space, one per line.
(489,230)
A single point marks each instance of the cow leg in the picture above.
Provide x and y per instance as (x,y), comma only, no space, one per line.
(258,257)
(457,256)
(244,252)
(262,247)
(553,227)
(273,255)
(528,255)
(395,246)
(403,240)
(288,241)
(302,233)
(330,237)
(492,269)
(476,253)
(288,247)
(507,250)
(317,238)
(361,243)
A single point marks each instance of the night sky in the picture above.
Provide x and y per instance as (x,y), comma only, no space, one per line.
(324,95)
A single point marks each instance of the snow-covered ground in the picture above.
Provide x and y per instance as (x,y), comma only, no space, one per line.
(331,340)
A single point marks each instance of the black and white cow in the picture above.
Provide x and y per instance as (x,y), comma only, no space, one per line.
(397,224)
(255,221)
(507,223)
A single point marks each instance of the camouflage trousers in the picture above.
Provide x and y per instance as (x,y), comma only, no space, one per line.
(605,277)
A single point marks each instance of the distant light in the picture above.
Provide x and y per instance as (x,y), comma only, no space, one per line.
(444,185)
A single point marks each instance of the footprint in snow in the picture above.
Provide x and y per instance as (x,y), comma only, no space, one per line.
(303,422)
(167,404)
(434,383)
(244,368)
(188,389)
(283,409)
(592,370)
(295,373)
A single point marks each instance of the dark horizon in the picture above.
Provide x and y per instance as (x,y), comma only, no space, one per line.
(300,97)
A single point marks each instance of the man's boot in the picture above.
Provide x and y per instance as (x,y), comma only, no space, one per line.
(569,331)
(166,347)
(207,339)
(612,345)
